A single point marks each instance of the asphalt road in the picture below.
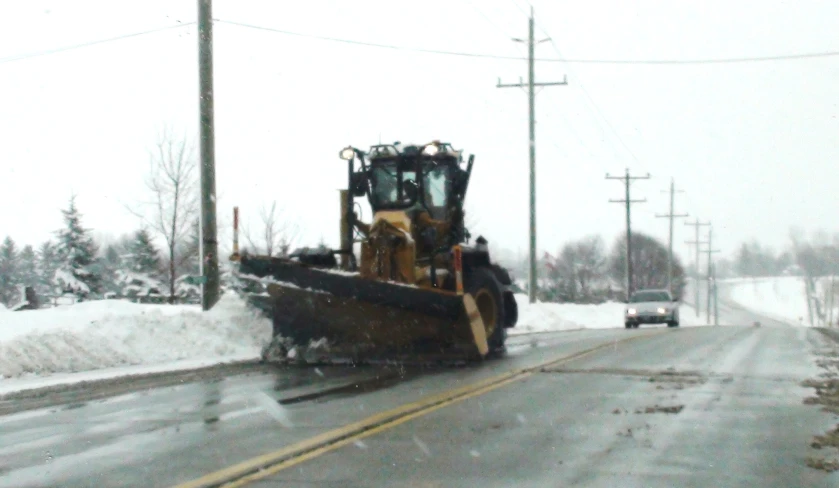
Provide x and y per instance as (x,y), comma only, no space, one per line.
(689,407)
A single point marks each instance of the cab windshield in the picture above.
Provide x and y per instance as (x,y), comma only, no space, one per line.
(388,186)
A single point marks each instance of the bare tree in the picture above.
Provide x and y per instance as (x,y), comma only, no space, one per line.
(173,183)
(276,234)
(579,273)
(649,260)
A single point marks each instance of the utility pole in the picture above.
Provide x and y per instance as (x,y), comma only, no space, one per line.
(670,215)
(696,225)
(628,201)
(711,281)
(716,301)
(209,242)
(531,96)
(832,299)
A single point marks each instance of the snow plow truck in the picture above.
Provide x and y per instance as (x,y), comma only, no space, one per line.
(417,287)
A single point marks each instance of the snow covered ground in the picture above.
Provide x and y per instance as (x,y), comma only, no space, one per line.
(547,317)
(782,298)
(113,337)
(106,339)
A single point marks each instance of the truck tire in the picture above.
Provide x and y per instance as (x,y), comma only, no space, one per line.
(484,287)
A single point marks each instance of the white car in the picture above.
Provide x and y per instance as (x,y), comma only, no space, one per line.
(651,307)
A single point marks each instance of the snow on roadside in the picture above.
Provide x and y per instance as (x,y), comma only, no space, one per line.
(782,298)
(550,317)
(105,334)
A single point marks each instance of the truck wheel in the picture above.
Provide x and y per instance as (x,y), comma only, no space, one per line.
(484,287)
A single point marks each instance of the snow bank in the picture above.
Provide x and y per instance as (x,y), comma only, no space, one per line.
(549,317)
(112,333)
(782,298)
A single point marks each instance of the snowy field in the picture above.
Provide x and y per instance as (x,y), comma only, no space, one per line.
(782,298)
(112,338)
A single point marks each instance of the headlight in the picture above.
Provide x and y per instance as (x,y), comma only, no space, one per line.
(431,149)
(662,310)
(347,153)
(631,311)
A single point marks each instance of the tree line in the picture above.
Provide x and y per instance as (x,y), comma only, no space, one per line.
(73,265)
(814,256)
(586,271)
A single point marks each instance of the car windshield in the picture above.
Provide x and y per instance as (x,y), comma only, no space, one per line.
(650,296)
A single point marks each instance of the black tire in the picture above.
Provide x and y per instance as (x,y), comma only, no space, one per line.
(628,325)
(672,324)
(485,288)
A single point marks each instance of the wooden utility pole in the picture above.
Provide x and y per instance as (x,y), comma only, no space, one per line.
(346,232)
(209,242)
(711,281)
(531,97)
(696,225)
(670,215)
(716,297)
(627,180)
(831,300)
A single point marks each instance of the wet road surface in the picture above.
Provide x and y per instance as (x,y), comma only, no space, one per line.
(700,407)
(164,435)
(689,407)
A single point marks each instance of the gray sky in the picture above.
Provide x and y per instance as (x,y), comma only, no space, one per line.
(753,145)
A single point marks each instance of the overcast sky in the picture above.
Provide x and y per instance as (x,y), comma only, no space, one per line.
(753,145)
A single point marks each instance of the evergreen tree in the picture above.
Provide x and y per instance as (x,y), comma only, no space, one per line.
(9,272)
(190,254)
(109,264)
(76,252)
(141,269)
(28,266)
(145,258)
(189,264)
(47,266)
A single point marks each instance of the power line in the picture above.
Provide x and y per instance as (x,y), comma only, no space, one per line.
(521,58)
(744,59)
(91,43)
(514,2)
(594,105)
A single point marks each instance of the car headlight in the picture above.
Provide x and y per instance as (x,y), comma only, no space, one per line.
(662,310)
(631,311)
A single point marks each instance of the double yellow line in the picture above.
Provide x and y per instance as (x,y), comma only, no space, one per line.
(274,462)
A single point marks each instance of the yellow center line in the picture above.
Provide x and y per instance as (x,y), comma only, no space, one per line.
(273,462)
